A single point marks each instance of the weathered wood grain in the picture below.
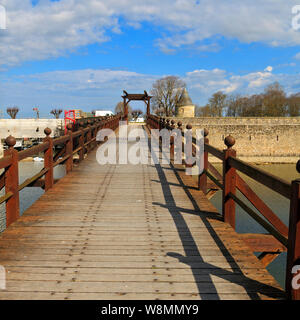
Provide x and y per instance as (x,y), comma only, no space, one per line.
(128,232)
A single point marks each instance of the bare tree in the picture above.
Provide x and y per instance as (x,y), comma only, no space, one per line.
(293,105)
(159,112)
(56,112)
(119,108)
(166,93)
(12,112)
(203,111)
(233,105)
(136,113)
(275,102)
(217,103)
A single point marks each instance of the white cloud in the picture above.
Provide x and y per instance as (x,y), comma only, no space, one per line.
(90,88)
(203,83)
(297,56)
(86,89)
(269,69)
(52,29)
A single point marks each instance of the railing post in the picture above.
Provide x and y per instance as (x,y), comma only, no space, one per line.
(293,254)
(168,124)
(12,182)
(96,132)
(93,135)
(81,142)
(179,125)
(178,151)
(229,178)
(202,178)
(125,105)
(48,161)
(88,137)
(69,149)
(188,141)
(172,140)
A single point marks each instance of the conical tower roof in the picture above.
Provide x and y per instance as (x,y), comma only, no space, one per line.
(184,99)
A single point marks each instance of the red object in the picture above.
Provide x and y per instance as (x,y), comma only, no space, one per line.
(69,118)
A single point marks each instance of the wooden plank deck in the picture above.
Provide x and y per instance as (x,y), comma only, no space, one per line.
(128,232)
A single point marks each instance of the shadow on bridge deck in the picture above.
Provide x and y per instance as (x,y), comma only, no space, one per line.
(128,232)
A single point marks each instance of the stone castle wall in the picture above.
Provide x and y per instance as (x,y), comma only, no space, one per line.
(29,128)
(257,139)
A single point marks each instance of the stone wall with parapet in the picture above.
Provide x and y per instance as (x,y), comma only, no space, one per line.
(259,140)
(29,128)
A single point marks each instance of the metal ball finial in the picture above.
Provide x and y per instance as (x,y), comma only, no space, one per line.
(298,166)
(47,131)
(10,141)
(229,141)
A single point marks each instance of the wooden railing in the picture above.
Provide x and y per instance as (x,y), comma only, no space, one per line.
(280,237)
(80,139)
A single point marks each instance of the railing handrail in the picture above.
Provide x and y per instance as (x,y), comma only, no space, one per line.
(267,179)
(5,161)
(231,181)
(9,178)
(275,183)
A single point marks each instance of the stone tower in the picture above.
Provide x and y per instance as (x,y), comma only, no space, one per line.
(185,107)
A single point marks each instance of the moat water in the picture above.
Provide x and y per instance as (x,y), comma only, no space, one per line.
(279,205)
(244,223)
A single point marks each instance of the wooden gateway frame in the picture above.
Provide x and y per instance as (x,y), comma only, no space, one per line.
(135,97)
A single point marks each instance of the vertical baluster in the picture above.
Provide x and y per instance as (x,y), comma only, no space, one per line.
(89,135)
(178,150)
(97,127)
(81,142)
(293,254)
(125,104)
(202,178)
(172,140)
(48,160)
(188,142)
(93,135)
(168,124)
(229,178)
(12,182)
(69,149)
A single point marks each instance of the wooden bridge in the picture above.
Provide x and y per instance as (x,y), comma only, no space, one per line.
(136,231)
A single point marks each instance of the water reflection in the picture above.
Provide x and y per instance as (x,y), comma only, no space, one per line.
(29,195)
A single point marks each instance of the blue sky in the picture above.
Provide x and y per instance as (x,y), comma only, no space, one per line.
(82,54)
